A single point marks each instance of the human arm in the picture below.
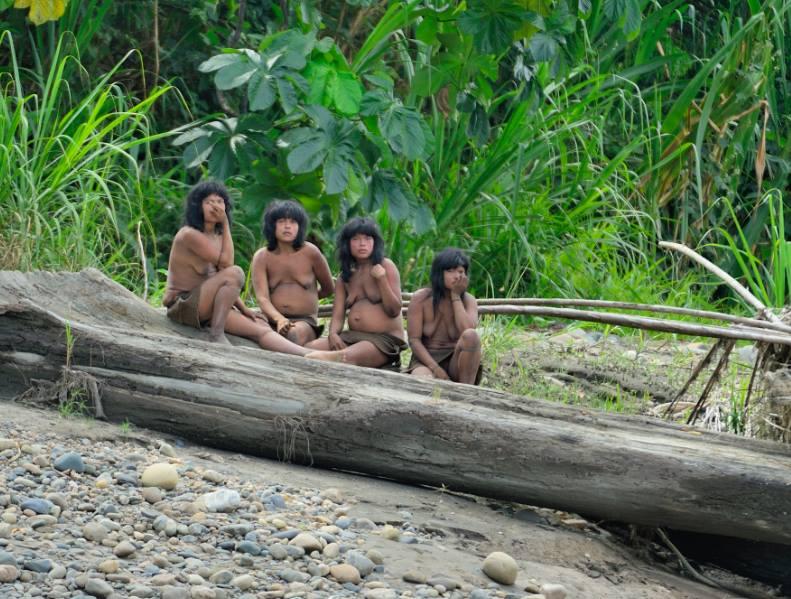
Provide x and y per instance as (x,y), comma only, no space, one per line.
(323,275)
(465,307)
(261,288)
(389,282)
(414,327)
(338,316)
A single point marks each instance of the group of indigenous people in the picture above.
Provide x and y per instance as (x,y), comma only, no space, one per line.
(290,275)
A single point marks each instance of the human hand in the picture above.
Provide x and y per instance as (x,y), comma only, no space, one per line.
(459,286)
(283,325)
(220,214)
(378,271)
(335,342)
(439,373)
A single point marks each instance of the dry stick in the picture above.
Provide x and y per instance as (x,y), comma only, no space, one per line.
(142,261)
(702,578)
(493,302)
(533,301)
(728,279)
(715,376)
(695,373)
(636,322)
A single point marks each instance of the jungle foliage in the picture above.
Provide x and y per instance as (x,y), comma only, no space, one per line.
(555,140)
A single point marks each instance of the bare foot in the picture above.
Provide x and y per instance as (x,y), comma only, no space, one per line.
(326,356)
(219,338)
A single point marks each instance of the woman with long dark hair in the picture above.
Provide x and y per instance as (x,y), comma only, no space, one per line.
(369,287)
(441,323)
(290,274)
(204,284)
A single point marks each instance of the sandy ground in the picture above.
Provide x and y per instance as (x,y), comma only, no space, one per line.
(462,530)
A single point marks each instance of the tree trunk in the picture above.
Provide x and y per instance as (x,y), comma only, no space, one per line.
(166,377)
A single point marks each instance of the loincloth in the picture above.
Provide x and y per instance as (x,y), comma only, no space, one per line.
(390,345)
(185,309)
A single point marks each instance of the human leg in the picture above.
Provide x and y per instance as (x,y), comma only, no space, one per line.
(362,353)
(301,333)
(466,358)
(319,344)
(260,332)
(422,371)
(217,296)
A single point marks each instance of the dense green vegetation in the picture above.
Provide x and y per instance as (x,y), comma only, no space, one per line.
(556,141)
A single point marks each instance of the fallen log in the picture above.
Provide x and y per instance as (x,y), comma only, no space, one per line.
(166,377)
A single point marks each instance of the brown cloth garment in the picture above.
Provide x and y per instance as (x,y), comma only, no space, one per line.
(390,345)
(185,309)
(442,357)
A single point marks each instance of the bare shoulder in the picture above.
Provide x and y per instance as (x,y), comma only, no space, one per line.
(260,256)
(420,296)
(312,250)
(389,264)
(187,236)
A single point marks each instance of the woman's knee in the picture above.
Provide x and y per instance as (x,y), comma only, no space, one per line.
(470,339)
(234,275)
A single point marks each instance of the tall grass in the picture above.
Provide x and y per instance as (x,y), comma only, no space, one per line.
(72,151)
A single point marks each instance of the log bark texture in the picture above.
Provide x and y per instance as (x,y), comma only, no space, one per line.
(166,377)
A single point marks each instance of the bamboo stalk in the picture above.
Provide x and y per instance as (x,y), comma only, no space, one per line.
(727,279)
(745,333)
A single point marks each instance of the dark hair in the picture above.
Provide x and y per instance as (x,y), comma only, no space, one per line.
(284,209)
(193,208)
(358,226)
(445,260)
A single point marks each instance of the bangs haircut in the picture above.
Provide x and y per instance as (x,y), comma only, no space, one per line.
(445,260)
(284,209)
(358,226)
(193,207)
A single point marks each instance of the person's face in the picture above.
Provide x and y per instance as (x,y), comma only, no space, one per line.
(361,246)
(286,230)
(452,275)
(213,207)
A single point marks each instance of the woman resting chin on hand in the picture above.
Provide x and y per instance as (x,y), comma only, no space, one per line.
(441,323)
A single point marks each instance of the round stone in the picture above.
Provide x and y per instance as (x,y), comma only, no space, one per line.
(243,582)
(553,591)
(331,551)
(500,567)
(98,588)
(109,566)
(345,573)
(161,475)
(93,531)
(307,541)
(8,573)
(124,549)
(70,461)
(363,565)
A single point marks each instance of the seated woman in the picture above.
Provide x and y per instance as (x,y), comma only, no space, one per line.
(369,286)
(441,323)
(288,272)
(203,283)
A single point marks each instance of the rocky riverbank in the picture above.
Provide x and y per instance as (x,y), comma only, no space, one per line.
(95,509)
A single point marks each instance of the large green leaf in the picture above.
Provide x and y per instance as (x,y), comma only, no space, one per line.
(308,155)
(331,142)
(374,102)
(402,128)
(234,75)
(345,91)
(219,61)
(626,12)
(492,24)
(261,91)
